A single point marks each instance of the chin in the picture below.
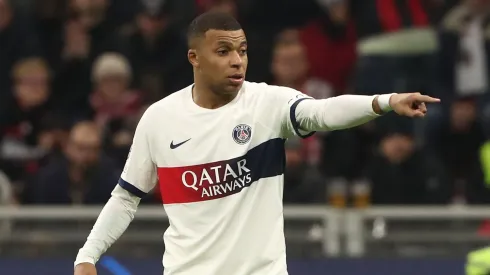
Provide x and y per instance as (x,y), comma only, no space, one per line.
(232,89)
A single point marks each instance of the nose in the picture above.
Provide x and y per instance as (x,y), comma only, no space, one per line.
(236,60)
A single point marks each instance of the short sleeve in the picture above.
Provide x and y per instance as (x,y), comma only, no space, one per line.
(288,99)
(139,175)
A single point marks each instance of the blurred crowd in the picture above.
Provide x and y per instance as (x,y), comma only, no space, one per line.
(76,75)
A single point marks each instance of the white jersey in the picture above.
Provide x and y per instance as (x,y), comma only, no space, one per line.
(221,176)
(220,173)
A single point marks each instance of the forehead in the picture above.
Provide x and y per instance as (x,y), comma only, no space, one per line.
(289,50)
(215,37)
(85,134)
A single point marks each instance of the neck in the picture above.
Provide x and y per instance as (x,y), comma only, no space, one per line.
(204,97)
(76,173)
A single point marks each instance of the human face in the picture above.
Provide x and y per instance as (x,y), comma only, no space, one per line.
(220,60)
(397,148)
(90,12)
(289,64)
(112,87)
(83,148)
(32,89)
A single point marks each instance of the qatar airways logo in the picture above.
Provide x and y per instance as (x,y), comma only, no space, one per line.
(219,180)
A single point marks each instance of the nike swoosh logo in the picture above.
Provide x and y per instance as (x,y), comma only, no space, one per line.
(173,146)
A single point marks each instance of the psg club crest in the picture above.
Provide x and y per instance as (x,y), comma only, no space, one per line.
(242,133)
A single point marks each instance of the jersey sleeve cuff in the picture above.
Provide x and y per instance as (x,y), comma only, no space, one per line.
(131,188)
(81,259)
(296,127)
(384,102)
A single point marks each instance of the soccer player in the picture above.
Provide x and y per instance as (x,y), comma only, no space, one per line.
(216,149)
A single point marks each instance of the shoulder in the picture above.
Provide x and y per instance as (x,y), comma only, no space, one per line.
(262,86)
(271,92)
(168,104)
(255,86)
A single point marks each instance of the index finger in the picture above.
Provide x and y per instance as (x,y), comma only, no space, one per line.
(426,98)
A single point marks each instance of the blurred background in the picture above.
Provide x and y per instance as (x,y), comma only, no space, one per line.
(395,196)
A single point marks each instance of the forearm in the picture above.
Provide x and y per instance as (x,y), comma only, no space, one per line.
(110,225)
(340,112)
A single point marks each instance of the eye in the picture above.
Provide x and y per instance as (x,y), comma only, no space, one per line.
(243,51)
(222,52)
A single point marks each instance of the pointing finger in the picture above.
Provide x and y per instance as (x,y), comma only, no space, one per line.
(425,98)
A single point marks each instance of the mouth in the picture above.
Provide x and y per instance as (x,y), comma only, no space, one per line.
(236,78)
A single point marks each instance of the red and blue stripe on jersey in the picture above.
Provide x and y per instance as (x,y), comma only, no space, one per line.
(219,179)
(214,180)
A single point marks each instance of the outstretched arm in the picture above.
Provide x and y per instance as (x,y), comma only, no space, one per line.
(348,111)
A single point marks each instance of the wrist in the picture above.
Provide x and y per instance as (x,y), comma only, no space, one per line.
(384,102)
(84,260)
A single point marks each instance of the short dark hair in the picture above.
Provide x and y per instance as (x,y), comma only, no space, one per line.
(211,21)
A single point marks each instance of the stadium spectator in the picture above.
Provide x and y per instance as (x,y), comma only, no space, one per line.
(112,98)
(400,172)
(464,56)
(395,43)
(74,68)
(81,175)
(53,135)
(313,51)
(157,50)
(49,16)
(331,51)
(290,68)
(17,41)
(93,17)
(303,183)
(21,116)
(116,106)
(458,145)
(87,33)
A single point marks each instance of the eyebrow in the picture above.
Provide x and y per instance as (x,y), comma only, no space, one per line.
(228,43)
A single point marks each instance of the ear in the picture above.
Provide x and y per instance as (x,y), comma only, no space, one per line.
(193,58)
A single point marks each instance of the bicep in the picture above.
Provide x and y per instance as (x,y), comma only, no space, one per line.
(287,100)
(294,125)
